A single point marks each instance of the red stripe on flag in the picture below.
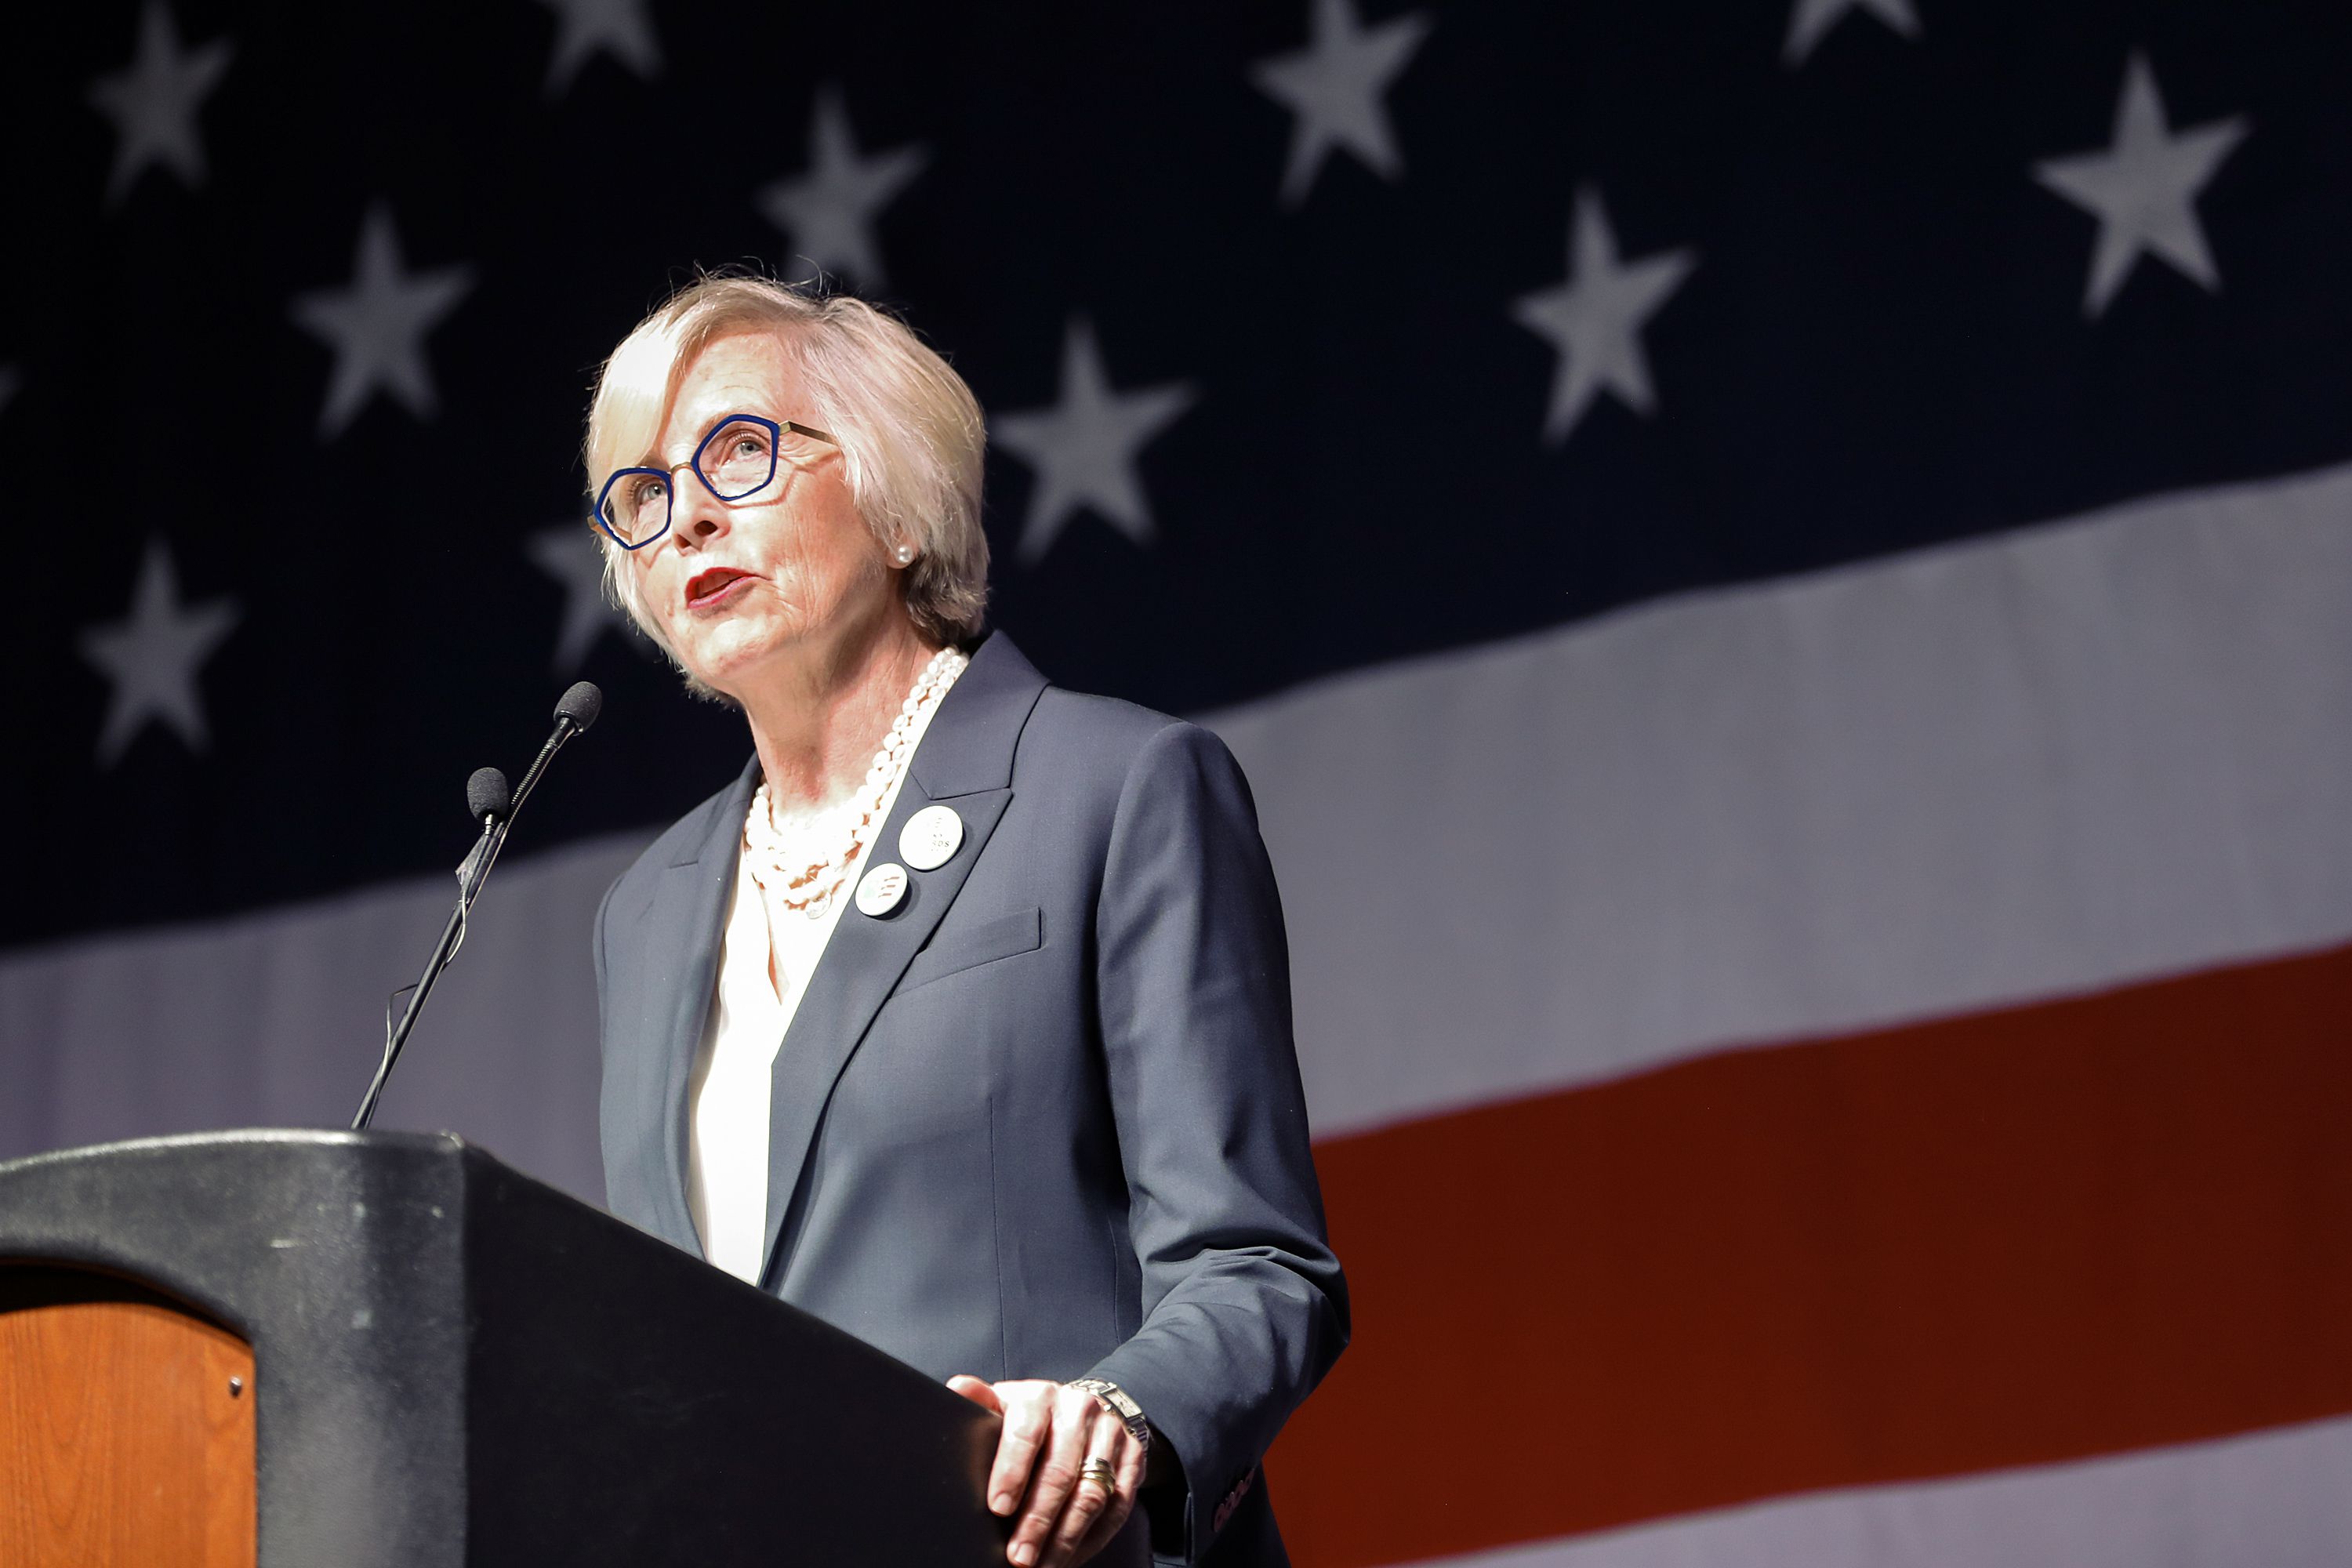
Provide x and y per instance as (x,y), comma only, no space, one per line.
(1998,1240)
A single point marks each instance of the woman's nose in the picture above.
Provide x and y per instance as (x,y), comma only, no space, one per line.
(696,513)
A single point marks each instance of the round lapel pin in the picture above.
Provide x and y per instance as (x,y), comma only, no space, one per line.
(882,890)
(931,837)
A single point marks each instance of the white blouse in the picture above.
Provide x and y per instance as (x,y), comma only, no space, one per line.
(727,1168)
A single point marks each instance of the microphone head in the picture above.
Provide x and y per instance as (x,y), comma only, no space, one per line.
(487,794)
(580,704)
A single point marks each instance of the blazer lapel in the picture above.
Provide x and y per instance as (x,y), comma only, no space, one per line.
(965,761)
(678,941)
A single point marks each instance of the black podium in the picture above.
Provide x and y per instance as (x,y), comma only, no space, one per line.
(432,1360)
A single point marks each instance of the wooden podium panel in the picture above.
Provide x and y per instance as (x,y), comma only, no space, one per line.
(126,1427)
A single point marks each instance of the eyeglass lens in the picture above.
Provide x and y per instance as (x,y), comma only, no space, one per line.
(735,460)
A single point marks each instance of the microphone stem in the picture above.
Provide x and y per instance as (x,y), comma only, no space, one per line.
(494,835)
(564,728)
(433,968)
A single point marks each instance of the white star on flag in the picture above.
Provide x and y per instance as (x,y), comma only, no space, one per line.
(1594,317)
(829,211)
(377,326)
(1334,86)
(2143,190)
(152,655)
(583,27)
(1810,21)
(154,103)
(1084,448)
(566,553)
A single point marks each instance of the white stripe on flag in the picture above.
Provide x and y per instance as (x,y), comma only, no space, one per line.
(2276,1498)
(2095,752)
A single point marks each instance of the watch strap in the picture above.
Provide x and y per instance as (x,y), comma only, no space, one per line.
(1113,1398)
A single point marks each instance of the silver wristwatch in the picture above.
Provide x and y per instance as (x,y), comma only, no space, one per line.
(1113,1398)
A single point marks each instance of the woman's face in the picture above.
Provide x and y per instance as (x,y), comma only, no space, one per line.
(790,571)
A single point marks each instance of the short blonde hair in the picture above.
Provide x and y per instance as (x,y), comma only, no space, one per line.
(909,429)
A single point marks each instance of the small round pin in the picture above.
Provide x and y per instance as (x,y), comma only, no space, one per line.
(882,890)
(931,837)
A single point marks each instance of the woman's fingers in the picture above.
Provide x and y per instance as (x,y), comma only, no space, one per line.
(1049,1434)
(976,1391)
(1028,1414)
(1070,1413)
(1129,1460)
(1100,1501)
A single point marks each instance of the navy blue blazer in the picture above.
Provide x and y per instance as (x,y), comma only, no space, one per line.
(1044,1120)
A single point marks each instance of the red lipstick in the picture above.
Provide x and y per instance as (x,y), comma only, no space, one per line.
(711,585)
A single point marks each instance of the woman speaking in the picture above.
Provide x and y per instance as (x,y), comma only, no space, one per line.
(961,1019)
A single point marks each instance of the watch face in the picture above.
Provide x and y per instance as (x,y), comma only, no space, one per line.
(1129,1413)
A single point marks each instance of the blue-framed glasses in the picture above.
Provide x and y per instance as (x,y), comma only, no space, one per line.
(735,461)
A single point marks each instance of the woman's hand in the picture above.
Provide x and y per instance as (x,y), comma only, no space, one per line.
(1050,1432)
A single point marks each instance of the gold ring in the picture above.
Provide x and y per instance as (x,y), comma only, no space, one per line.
(1100,1472)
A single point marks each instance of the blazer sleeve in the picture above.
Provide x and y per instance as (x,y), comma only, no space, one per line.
(1245,1305)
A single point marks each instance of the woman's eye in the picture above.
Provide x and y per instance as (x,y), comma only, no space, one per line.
(749,445)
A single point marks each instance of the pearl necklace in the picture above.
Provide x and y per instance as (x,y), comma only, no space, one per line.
(844,831)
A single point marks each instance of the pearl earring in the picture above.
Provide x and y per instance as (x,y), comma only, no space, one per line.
(905,554)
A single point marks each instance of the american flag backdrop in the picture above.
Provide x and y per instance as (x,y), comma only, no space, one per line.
(1782,570)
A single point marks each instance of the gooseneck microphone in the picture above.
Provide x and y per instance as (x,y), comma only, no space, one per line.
(489,803)
(574,711)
